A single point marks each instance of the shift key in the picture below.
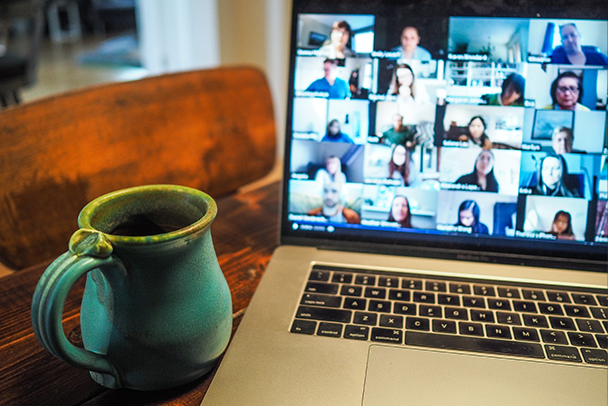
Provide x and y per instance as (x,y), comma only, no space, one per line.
(324,314)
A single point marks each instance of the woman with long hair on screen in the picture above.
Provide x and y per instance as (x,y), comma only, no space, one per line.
(554,179)
(400,211)
(476,133)
(404,85)
(398,167)
(483,173)
(468,216)
(561,227)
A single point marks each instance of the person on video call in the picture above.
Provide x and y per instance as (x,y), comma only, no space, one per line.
(483,173)
(404,86)
(401,167)
(330,82)
(566,93)
(561,227)
(332,171)
(512,93)
(338,44)
(572,53)
(334,134)
(410,48)
(561,140)
(400,212)
(399,133)
(553,178)
(468,216)
(476,133)
(333,208)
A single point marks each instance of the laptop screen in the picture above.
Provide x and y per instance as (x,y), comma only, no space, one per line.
(475,131)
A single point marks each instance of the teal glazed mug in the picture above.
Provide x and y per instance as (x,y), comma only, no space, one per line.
(156,311)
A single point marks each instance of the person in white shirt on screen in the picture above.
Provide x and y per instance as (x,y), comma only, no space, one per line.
(332,171)
(409,47)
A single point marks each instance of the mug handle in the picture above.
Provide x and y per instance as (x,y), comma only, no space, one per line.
(88,250)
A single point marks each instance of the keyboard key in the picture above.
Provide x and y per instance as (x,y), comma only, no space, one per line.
(533,294)
(351,290)
(450,300)
(444,326)
(535,321)
(387,335)
(582,339)
(511,293)
(602,300)
(482,315)
(602,340)
(553,337)
(320,287)
(392,321)
(497,331)
(499,304)
(461,288)
(368,319)
(585,299)
(340,277)
(508,318)
(324,314)
(423,297)
(303,327)
(599,313)
(599,357)
(433,286)
(356,332)
(314,299)
(550,308)
(376,293)
(560,297)
(475,344)
(523,306)
(483,290)
(559,353)
(365,280)
(470,329)
(405,308)
(472,301)
(576,311)
(388,282)
(320,276)
(456,313)
(382,306)
(525,334)
(402,295)
(562,323)
(330,330)
(355,303)
(589,326)
(417,323)
(413,284)
(429,311)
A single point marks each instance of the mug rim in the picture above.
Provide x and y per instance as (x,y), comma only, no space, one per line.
(86,214)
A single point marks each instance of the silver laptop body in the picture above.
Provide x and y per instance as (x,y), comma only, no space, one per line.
(390,264)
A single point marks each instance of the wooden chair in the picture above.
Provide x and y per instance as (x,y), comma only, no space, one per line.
(210,129)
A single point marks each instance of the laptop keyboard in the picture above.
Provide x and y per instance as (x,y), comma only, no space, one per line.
(518,319)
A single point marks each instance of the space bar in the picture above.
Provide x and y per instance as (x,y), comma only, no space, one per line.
(474,344)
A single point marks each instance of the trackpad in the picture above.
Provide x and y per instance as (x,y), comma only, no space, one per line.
(406,376)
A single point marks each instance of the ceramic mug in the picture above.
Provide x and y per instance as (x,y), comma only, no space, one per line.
(156,311)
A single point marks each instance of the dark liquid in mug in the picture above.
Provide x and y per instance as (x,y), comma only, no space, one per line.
(141,226)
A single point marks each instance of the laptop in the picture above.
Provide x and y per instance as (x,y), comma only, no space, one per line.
(444,225)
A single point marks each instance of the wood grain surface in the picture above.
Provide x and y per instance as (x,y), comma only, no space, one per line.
(211,129)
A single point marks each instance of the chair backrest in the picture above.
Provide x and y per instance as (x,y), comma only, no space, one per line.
(210,129)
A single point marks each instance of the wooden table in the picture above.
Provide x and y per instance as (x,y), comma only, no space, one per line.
(245,233)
